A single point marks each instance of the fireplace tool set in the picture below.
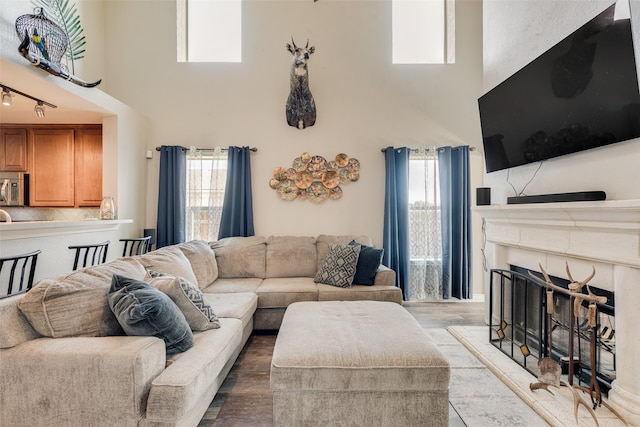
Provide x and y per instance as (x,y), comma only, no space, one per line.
(549,370)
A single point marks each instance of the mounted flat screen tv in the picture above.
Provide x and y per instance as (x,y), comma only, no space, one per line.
(580,94)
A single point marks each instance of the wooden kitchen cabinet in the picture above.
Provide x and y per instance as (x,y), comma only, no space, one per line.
(52,168)
(64,162)
(13,149)
(88,166)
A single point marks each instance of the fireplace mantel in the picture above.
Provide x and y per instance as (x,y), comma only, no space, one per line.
(604,235)
(605,231)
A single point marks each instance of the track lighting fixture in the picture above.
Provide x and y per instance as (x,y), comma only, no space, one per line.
(6,96)
(38,109)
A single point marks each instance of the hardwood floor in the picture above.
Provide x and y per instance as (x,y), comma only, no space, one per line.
(245,398)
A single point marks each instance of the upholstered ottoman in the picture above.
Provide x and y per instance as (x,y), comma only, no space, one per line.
(357,363)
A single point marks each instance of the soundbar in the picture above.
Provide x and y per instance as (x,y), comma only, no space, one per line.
(580,196)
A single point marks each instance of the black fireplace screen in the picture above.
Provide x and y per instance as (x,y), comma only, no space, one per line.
(520,327)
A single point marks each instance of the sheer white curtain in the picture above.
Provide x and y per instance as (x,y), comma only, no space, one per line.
(425,239)
(206,180)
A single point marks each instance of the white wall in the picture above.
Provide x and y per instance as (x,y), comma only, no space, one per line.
(364,102)
(514,33)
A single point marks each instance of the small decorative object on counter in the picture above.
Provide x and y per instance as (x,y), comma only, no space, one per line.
(314,178)
(108,208)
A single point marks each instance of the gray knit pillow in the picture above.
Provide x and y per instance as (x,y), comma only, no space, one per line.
(339,266)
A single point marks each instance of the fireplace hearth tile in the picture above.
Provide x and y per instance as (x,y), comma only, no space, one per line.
(479,412)
(557,410)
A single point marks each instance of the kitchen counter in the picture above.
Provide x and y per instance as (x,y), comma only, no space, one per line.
(27,229)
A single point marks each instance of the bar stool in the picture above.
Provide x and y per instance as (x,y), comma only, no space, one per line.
(136,246)
(91,254)
(20,270)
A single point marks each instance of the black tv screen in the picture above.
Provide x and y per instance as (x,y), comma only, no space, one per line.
(580,94)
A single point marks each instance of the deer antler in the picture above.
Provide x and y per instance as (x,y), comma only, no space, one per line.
(547,282)
(293,43)
(576,286)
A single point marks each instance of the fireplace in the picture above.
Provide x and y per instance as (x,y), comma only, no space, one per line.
(604,235)
(526,333)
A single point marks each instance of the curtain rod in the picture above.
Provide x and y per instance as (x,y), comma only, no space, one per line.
(426,148)
(254,149)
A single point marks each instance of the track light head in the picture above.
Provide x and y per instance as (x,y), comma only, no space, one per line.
(6,96)
(39,109)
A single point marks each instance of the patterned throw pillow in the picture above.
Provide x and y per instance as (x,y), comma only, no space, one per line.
(339,266)
(189,299)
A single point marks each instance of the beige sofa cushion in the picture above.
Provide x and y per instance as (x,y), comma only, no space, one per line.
(169,260)
(324,240)
(203,261)
(289,256)
(79,381)
(192,376)
(238,305)
(76,304)
(389,293)
(281,291)
(236,284)
(241,256)
(15,327)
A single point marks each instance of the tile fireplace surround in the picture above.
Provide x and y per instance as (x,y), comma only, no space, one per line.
(605,235)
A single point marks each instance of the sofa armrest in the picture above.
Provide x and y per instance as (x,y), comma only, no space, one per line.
(79,380)
(385,276)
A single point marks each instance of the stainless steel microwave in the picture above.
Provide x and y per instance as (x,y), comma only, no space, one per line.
(14,188)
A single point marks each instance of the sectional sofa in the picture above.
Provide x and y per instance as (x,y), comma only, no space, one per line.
(65,359)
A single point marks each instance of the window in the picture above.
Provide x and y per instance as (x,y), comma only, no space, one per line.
(425,240)
(206,180)
(423,31)
(209,30)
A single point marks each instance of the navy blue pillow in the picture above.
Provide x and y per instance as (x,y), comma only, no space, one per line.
(368,264)
(143,310)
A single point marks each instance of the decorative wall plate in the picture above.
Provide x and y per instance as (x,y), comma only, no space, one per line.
(330,179)
(299,164)
(291,174)
(278,173)
(317,192)
(287,190)
(345,176)
(335,193)
(303,180)
(342,160)
(314,178)
(353,165)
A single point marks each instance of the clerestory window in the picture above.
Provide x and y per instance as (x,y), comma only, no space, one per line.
(423,31)
(209,30)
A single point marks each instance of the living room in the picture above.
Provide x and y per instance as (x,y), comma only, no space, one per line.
(147,99)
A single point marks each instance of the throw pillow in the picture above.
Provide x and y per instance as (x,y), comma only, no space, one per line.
(75,304)
(143,310)
(339,266)
(203,261)
(170,260)
(368,264)
(189,299)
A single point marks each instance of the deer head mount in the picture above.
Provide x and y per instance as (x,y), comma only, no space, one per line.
(300,108)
